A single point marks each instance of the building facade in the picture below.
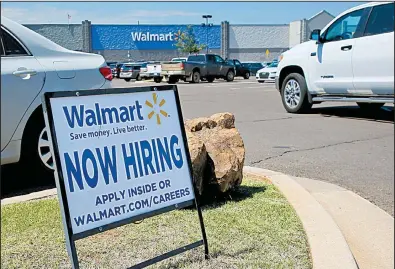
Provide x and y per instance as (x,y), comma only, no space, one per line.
(256,42)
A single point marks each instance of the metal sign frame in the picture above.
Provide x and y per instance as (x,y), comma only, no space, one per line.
(61,189)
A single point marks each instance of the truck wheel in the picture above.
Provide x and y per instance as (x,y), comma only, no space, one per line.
(370,106)
(247,75)
(230,76)
(294,94)
(195,77)
(127,79)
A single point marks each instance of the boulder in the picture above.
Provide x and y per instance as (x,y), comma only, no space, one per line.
(224,146)
(198,153)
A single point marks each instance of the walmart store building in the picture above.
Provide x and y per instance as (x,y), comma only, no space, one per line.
(156,42)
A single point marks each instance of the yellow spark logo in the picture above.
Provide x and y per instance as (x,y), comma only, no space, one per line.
(177,35)
(156,107)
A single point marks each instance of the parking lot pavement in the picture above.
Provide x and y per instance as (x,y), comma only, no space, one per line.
(336,142)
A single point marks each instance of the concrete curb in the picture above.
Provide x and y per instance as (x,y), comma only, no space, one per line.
(29,197)
(328,247)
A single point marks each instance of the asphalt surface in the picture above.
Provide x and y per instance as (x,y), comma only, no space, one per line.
(336,142)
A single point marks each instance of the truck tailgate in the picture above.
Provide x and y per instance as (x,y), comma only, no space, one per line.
(172,66)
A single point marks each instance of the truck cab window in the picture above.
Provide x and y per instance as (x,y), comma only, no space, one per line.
(344,27)
(381,20)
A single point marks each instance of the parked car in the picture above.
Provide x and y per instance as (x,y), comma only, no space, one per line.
(130,71)
(113,67)
(267,73)
(253,67)
(241,69)
(118,69)
(200,66)
(151,70)
(350,60)
(30,66)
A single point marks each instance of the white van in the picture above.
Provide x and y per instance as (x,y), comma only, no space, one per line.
(350,60)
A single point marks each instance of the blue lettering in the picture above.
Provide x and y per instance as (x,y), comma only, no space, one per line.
(73,171)
(138,107)
(79,220)
(110,112)
(74,115)
(178,162)
(109,163)
(129,160)
(164,153)
(147,156)
(88,155)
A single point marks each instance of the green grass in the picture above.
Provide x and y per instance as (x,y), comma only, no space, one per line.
(256,228)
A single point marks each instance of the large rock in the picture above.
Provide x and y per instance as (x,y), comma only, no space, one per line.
(224,146)
(198,153)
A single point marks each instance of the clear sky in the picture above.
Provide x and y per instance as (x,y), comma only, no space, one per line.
(168,12)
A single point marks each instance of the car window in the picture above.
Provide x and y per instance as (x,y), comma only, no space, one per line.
(1,48)
(230,62)
(218,59)
(237,63)
(11,46)
(136,67)
(196,58)
(381,20)
(344,27)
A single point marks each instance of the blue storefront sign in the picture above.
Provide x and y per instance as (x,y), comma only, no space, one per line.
(150,37)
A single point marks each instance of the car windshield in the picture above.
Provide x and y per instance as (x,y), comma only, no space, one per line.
(274,64)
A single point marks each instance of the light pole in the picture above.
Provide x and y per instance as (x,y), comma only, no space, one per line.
(207,25)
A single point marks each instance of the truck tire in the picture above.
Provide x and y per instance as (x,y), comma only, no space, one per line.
(247,75)
(370,106)
(294,94)
(127,79)
(158,79)
(230,76)
(195,77)
(210,79)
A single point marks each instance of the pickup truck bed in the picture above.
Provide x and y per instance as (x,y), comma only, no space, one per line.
(198,67)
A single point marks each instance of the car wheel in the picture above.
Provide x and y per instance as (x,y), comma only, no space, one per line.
(230,76)
(294,94)
(247,75)
(127,79)
(36,156)
(370,106)
(195,77)
(138,78)
(158,80)
(261,81)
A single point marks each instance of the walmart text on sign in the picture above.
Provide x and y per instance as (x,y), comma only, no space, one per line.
(121,155)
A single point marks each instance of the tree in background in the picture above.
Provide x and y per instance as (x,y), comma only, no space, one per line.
(186,41)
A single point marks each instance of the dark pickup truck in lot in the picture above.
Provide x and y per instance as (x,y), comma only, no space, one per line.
(241,69)
(198,67)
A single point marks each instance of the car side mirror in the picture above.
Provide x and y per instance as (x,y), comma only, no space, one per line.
(315,35)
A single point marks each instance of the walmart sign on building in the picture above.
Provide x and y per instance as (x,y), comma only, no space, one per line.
(149,37)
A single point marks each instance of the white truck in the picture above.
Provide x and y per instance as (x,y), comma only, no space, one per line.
(350,60)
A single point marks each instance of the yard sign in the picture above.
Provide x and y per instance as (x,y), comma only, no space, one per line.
(121,155)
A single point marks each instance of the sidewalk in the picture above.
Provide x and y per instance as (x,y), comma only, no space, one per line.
(333,216)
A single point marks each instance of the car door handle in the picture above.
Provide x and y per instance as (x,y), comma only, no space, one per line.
(24,72)
(345,48)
